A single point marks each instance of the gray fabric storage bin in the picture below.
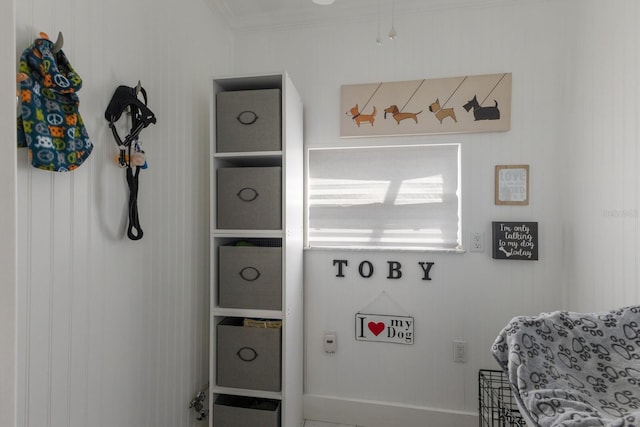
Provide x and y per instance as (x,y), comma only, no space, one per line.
(248,357)
(249,198)
(250,277)
(248,120)
(242,411)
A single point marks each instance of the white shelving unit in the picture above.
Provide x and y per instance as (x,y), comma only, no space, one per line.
(290,159)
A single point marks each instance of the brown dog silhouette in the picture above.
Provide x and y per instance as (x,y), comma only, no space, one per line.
(442,113)
(398,116)
(361,118)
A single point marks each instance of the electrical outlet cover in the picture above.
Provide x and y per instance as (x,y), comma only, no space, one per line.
(460,351)
(477,242)
(330,342)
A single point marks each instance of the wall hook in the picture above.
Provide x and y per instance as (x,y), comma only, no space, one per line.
(57,46)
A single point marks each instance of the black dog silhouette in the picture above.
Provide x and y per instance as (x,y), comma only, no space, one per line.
(483,113)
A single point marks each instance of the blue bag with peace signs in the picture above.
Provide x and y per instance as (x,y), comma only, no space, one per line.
(50,123)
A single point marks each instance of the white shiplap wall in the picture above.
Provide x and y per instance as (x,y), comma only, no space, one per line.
(575,68)
(114,332)
(602,169)
(111,331)
(8,309)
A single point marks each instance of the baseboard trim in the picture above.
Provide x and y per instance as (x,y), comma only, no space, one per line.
(381,414)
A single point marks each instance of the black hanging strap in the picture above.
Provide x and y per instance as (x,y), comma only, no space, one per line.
(126,98)
(134,231)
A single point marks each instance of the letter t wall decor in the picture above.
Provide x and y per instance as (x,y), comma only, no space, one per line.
(429,106)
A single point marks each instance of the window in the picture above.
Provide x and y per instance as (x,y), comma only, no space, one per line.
(398,197)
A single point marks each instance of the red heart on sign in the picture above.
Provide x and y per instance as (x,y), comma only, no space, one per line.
(376,328)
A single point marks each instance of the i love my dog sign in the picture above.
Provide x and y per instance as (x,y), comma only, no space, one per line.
(384,328)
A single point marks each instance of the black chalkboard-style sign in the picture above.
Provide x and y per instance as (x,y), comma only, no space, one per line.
(515,240)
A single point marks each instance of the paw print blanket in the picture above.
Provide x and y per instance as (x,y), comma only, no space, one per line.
(574,369)
(50,123)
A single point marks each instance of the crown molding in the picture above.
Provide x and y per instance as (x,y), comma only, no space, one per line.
(345,12)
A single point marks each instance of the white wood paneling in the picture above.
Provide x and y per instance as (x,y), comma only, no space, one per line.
(601,197)
(111,331)
(8,210)
(471,296)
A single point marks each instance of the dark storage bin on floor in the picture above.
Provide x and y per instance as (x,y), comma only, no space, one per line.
(241,411)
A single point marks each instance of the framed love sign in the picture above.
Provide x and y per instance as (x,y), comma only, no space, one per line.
(384,328)
(512,185)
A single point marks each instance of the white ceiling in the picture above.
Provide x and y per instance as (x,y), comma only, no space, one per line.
(252,14)
(245,8)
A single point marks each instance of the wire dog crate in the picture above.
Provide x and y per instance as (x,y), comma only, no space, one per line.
(498,406)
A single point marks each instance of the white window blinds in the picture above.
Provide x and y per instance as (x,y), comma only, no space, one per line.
(385,197)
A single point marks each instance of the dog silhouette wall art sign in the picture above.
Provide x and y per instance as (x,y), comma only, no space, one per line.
(462,104)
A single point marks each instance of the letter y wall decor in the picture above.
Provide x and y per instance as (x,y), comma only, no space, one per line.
(429,106)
